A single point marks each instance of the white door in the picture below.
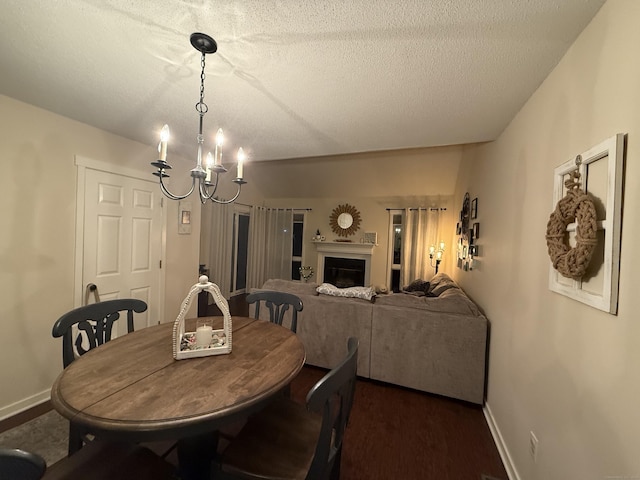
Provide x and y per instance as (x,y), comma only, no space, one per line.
(122,241)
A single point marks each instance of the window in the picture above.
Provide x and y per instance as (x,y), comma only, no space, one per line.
(298,236)
(240,249)
(395,252)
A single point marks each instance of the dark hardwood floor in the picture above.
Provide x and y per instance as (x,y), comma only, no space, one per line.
(398,433)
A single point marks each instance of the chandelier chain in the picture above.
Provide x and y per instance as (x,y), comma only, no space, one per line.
(202,107)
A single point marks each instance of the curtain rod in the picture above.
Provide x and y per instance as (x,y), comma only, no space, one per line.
(274,208)
(419,208)
(260,206)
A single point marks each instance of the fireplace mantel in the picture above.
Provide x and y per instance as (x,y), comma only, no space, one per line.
(344,250)
(344,247)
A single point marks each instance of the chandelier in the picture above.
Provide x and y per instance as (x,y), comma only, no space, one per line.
(203,174)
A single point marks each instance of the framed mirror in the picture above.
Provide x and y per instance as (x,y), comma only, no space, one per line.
(344,220)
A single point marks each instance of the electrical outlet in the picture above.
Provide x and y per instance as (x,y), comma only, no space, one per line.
(533,446)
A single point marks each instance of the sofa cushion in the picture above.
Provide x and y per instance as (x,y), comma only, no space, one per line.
(440,283)
(327,322)
(290,286)
(457,302)
(441,288)
(366,293)
(439,278)
(441,353)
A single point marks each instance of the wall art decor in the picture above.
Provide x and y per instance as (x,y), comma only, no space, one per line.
(596,181)
(344,220)
(464,233)
(464,216)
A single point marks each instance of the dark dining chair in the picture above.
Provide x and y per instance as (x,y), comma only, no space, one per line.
(111,460)
(288,440)
(16,464)
(94,324)
(278,304)
(98,461)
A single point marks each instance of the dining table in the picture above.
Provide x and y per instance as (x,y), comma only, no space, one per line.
(131,388)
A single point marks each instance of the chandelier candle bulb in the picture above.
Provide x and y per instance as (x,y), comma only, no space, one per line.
(241,158)
(219,142)
(209,164)
(164,138)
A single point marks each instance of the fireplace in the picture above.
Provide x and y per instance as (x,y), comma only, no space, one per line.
(344,272)
(344,264)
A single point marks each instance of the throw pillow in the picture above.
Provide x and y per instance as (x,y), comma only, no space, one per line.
(366,293)
(435,292)
(418,288)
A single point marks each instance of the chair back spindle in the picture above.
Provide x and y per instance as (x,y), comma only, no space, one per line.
(94,324)
(278,303)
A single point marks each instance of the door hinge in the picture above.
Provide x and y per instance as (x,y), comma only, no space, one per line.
(160,263)
(161,202)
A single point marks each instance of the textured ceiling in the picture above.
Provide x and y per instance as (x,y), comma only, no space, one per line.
(290,78)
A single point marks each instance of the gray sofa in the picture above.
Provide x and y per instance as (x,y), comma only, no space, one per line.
(435,344)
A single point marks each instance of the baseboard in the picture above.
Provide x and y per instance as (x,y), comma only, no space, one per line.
(24,404)
(512,473)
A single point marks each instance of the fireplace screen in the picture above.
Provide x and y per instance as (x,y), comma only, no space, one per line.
(344,272)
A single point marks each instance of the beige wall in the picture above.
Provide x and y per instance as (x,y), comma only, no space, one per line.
(371,182)
(38,184)
(557,367)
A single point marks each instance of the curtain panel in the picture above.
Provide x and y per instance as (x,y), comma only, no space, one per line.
(270,245)
(420,229)
(220,245)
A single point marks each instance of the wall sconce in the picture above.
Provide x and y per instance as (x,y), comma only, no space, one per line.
(437,254)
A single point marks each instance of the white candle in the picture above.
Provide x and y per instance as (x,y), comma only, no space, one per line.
(203,335)
(219,142)
(209,164)
(164,138)
(241,157)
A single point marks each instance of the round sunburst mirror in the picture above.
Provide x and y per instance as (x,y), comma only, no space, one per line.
(345,220)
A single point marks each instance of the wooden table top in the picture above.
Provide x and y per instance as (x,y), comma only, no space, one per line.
(132,388)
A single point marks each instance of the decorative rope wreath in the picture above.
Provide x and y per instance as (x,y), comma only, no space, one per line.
(576,204)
